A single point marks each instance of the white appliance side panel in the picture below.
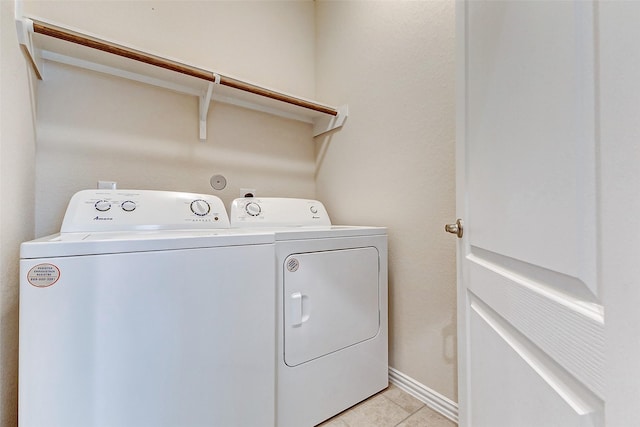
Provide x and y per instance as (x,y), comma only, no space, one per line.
(331,301)
(167,338)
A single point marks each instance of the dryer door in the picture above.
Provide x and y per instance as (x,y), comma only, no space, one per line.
(331,301)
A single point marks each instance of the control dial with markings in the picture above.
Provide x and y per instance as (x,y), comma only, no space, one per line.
(200,207)
(128,206)
(253,209)
(103,205)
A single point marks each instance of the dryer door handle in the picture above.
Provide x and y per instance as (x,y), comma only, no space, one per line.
(296,309)
(297,306)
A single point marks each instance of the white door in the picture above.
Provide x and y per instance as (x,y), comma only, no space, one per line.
(531,313)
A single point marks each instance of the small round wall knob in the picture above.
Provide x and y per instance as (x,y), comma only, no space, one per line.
(218,182)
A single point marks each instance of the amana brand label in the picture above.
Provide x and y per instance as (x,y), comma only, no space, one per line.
(43,275)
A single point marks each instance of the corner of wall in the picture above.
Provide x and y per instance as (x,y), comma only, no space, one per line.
(393,162)
(17,154)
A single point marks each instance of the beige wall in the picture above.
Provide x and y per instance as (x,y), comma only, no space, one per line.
(95,127)
(393,162)
(17,146)
(102,128)
(266,42)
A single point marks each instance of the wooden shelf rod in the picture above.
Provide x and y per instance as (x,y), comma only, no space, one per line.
(46,29)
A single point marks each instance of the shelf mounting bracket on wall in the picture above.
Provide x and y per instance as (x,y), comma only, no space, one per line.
(233,91)
(329,123)
(24,27)
(205,102)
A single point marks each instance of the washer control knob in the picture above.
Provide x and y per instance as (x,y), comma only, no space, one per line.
(200,207)
(253,209)
(313,209)
(103,205)
(128,206)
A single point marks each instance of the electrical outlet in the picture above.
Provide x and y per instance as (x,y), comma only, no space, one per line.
(247,192)
(110,185)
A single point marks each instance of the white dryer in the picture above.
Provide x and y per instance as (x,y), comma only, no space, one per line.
(332,348)
(147,311)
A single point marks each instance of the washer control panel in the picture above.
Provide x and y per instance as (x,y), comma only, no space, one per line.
(277,212)
(124,210)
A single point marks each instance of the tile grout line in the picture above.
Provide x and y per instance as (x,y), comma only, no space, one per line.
(383,394)
(410,414)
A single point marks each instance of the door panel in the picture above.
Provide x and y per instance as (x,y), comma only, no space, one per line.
(332,301)
(514,369)
(566,328)
(531,318)
(531,134)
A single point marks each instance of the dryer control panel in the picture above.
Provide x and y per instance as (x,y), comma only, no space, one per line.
(278,212)
(126,210)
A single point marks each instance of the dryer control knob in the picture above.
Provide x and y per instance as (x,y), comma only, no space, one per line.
(103,205)
(128,206)
(253,209)
(200,207)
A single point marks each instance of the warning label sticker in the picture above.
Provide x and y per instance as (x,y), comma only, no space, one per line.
(43,275)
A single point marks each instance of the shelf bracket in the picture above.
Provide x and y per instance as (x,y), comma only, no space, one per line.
(24,27)
(331,118)
(205,102)
(325,124)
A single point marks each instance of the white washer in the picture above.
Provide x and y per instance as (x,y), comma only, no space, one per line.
(147,311)
(332,348)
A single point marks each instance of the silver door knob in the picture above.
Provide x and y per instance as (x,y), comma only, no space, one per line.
(455,228)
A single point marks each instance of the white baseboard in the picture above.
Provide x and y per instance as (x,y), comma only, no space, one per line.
(431,398)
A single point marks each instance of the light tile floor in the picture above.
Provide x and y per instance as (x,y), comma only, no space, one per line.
(389,408)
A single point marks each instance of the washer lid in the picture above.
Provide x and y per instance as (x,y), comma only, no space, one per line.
(75,244)
(296,233)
